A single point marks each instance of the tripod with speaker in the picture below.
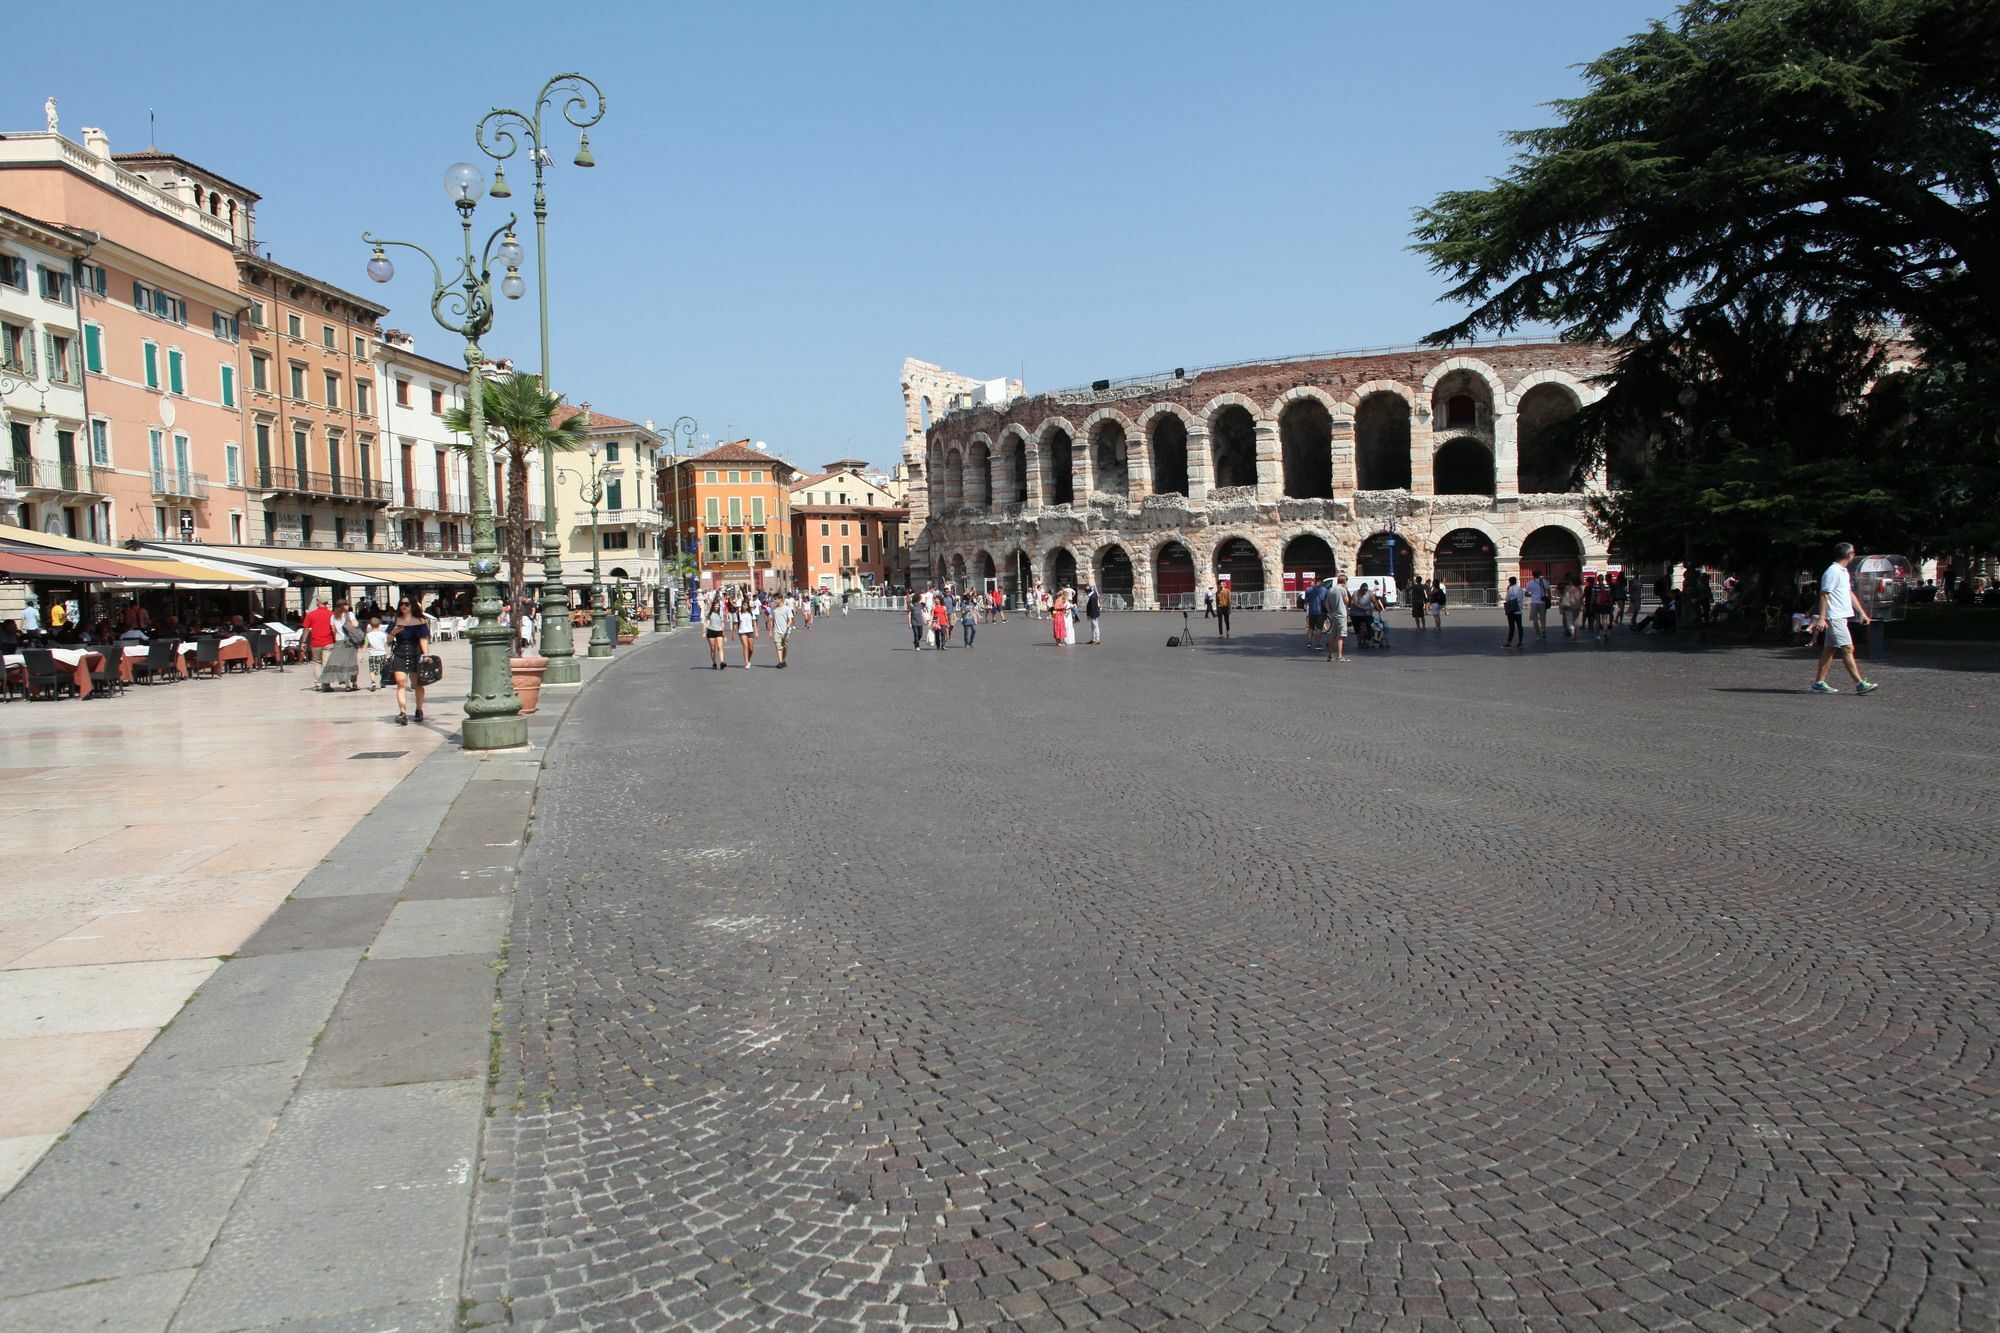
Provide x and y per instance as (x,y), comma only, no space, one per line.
(1185,639)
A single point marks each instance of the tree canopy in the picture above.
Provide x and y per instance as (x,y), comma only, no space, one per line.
(1748,198)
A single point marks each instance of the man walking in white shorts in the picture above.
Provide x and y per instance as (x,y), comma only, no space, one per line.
(1836,608)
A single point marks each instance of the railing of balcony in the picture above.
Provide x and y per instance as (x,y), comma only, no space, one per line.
(433,544)
(172,481)
(352,542)
(435,502)
(50,474)
(323,484)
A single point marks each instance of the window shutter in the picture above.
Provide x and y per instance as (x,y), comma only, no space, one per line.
(175,381)
(138,296)
(152,365)
(93,348)
(28,351)
(229,386)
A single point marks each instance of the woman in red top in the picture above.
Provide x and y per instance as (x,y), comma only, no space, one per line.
(940,623)
(1060,617)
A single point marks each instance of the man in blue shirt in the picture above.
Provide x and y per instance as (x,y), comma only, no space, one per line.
(1316,615)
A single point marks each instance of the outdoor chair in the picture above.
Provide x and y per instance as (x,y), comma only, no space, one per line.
(107,677)
(162,659)
(263,645)
(208,653)
(44,672)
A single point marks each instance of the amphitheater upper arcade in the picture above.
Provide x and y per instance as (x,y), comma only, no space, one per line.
(1260,468)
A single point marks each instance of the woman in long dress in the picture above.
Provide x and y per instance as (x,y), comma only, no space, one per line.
(343,660)
(1059,616)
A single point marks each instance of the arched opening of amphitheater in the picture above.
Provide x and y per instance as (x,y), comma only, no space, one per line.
(979,477)
(1305,430)
(1058,469)
(1385,555)
(1170,455)
(1016,455)
(1382,443)
(1550,459)
(1114,574)
(1238,564)
(1062,568)
(1308,560)
(958,572)
(1020,576)
(1555,552)
(1173,576)
(1107,460)
(988,575)
(1465,560)
(1232,447)
(1462,467)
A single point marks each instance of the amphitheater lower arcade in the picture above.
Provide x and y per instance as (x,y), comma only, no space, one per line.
(1441,463)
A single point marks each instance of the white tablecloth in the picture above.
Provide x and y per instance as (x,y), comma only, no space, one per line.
(69,657)
(189,646)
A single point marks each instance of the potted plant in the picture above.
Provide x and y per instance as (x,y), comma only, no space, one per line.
(628,630)
(522,419)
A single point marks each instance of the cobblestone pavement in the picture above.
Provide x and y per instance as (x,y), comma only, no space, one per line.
(1122,986)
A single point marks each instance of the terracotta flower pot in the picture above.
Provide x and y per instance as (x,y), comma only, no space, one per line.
(527,673)
(627,638)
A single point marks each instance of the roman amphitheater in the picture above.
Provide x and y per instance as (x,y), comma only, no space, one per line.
(1266,475)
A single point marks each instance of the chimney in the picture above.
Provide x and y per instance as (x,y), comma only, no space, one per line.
(97,143)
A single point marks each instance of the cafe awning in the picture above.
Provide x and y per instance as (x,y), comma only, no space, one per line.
(62,557)
(353,569)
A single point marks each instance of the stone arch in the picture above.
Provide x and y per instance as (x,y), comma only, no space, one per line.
(1174,574)
(1463,374)
(1237,556)
(1549,460)
(1013,466)
(985,568)
(1055,444)
(1308,557)
(1059,568)
(1166,430)
(1467,559)
(1115,576)
(1232,441)
(1110,435)
(1016,573)
(1462,466)
(952,482)
(1305,435)
(958,571)
(1554,549)
(1382,438)
(1390,555)
(979,474)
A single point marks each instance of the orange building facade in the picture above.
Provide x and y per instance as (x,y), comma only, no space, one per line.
(733,507)
(158,318)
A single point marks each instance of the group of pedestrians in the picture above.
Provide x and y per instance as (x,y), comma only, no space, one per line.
(744,613)
(338,643)
(935,611)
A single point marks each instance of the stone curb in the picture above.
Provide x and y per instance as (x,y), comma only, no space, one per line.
(299,1146)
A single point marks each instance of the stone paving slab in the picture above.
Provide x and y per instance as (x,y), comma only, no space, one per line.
(104,997)
(143,1303)
(407,1020)
(380,873)
(477,875)
(431,928)
(253,1011)
(143,1182)
(388,1173)
(321,923)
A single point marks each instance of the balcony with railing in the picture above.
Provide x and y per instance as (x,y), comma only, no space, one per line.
(432,543)
(174,483)
(629,516)
(436,502)
(291,541)
(49,474)
(322,485)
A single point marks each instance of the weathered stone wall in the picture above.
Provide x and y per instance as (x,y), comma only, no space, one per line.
(1460,397)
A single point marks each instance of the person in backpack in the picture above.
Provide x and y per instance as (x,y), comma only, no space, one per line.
(1091,610)
(1516,636)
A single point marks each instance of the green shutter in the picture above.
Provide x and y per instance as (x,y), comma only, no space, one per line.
(152,365)
(175,381)
(229,386)
(93,348)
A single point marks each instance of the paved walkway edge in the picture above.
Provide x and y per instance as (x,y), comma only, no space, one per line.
(299,1146)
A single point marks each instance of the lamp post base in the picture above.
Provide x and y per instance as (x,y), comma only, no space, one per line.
(598,647)
(562,671)
(493,733)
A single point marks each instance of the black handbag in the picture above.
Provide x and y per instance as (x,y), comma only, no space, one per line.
(429,669)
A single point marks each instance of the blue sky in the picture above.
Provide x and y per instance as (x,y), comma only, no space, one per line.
(791,198)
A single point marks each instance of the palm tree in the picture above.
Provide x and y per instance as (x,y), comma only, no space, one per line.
(521,419)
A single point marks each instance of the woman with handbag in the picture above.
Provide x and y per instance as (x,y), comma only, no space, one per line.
(409,640)
(343,659)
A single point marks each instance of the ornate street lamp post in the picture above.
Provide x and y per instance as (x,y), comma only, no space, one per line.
(463,304)
(683,428)
(590,489)
(507,128)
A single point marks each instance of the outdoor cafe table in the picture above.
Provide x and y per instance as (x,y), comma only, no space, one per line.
(78,660)
(235,648)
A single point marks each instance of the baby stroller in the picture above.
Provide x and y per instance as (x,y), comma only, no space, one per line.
(1371,631)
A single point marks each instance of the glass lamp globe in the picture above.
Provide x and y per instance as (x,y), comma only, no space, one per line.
(464,183)
(379,267)
(590,447)
(512,287)
(508,252)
